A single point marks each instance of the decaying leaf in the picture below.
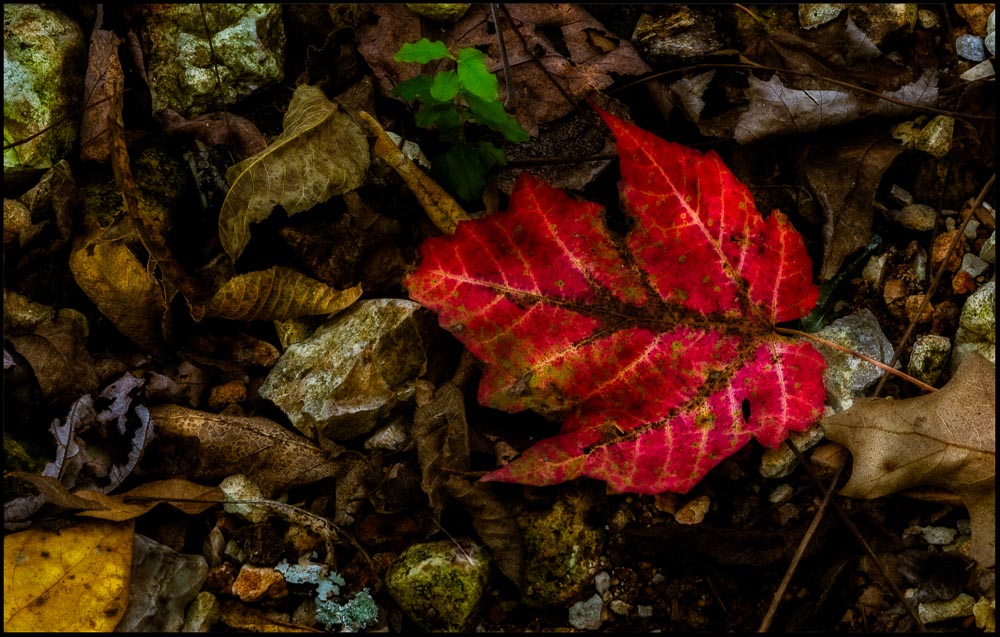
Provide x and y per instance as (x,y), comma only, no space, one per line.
(76,579)
(659,349)
(844,178)
(946,439)
(59,358)
(225,445)
(778,110)
(441,207)
(104,85)
(122,289)
(321,153)
(275,294)
(442,440)
(216,129)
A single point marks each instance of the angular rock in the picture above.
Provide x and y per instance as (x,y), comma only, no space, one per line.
(438,584)
(586,615)
(988,253)
(681,33)
(347,377)
(163,582)
(929,358)
(884,22)
(561,548)
(973,265)
(44,59)
(847,376)
(931,612)
(248,42)
(977,326)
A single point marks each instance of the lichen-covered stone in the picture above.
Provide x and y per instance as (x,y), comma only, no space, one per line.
(929,358)
(883,23)
(347,377)
(441,12)
(44,57)
(248,42)
(561,549)
(438,584)
(977,326)
(847,376)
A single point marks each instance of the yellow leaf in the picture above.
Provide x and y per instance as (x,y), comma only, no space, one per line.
(275,294)
(321,153)
(76,579)
(441,207)
(121,288)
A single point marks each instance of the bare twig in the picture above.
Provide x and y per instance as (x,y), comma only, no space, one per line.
(856,534)
(510,96)
(765,624)
(937,278)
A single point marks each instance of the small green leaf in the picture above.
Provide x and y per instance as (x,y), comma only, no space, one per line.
(445,86)
(422,51)
(417,88)
(462,167)
(492,156)
(474,76)
(492,114)
(443,116)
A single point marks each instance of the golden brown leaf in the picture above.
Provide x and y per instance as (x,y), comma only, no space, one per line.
(76,579)
(59,358)
(276,458)
(321,153)
(275,294)
(441,207)
(104,85)
(945,439)
(121,288)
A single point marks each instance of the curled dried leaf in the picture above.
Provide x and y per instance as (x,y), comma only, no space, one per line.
(321,153)
(275,294)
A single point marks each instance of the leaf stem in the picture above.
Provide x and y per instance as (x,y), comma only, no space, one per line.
(840,348)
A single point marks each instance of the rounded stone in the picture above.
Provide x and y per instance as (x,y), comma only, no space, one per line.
(929,358)
(438,584)
(970,47)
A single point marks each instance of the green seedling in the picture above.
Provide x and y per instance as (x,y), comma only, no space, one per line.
(449,100)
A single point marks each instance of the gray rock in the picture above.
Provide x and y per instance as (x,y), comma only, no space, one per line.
(970,47)
(439,584)
(163,582)
(973,265)
(874,270)
(931,612)
(916,216)
(929,358)
(970,229)
(347,377)
(980,71)
(812,15)
(602,582)
(847,376)
(977,326)
(901,195)
(781,461)
(586,615)
(680,33)
(990,41)
(202,614)
(44,59)
(248,41)
(989,250)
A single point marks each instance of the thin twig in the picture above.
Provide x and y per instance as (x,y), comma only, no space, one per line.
(765,624)
(510,96)
(847,350)
(937,279)
(856,534)
(538,63)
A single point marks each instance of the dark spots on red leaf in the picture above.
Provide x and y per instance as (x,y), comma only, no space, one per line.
(745,406)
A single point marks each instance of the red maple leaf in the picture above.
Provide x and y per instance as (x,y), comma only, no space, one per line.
(659,349)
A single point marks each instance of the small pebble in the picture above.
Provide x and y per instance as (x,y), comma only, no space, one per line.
(980,71)
(694,511)
(602,581)
(970,47)
(964,526)
(780,493)
(644,611)
(970,229)
(901,195)
(875,269)
(931,612)
(259,582)
(916,216)
(586,615)
(989,251)
(658,578)
(618,607)
(927,19)
(929,358)
(936,535)
(974,265)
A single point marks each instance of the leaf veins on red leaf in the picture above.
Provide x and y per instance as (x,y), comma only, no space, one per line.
(659,349)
